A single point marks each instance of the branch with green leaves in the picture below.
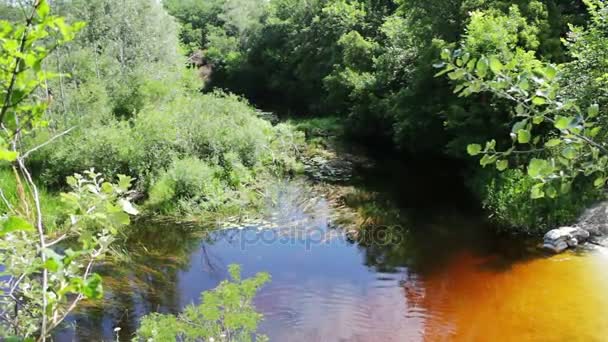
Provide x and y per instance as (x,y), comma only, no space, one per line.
(560,136)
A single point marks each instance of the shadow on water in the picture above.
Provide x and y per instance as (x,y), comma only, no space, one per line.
(424,265)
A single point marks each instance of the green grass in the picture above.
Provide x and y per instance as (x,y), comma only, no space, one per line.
(52,207)
(319,126)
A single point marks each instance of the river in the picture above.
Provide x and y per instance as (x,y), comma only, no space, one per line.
(437,272)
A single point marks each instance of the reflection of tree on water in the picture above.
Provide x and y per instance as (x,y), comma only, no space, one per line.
(142,280)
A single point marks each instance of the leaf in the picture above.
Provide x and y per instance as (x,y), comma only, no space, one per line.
(8,155)
(482,67)
(72,181)
(445,54)
(538,119)
(43,9)
(599,182)
(593,110)
(551,192)
(495,65)
(502,165)
(537,191)
(550,72)
(594,131)
(487,160)
(92,288)
(523,136)
(539,168)
(538,101)
(519,126)
(569,152)
(124,182)
(128,207)
(562,122)
(119,218)
(553,143)
(474,149)
(52,265)
(15,223)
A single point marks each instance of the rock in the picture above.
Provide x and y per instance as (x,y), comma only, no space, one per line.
(561,238)
(572,242)
(595,219)
(557,248)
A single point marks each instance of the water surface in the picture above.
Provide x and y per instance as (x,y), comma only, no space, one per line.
(438,275)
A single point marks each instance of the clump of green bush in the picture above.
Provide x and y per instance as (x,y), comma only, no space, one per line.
(195,152)
(507,197)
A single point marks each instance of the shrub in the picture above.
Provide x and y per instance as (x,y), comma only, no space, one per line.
(226,313)
(193,153)
(189,179)
(507,197)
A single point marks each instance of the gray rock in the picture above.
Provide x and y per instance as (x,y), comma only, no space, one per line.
(572,242)
(557,248)
(595,219)
(561,238)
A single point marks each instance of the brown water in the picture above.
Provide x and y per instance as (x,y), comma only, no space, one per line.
(445,276)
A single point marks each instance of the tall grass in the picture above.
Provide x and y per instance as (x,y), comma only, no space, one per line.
(50,201)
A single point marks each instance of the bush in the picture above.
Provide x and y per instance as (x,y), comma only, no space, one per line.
(194,152)
(507,197)
(188,181)
(226,313)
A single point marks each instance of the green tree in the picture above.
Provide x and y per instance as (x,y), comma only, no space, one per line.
(558,134)
(42,283)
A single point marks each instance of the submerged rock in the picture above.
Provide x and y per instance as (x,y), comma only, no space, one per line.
(560,239)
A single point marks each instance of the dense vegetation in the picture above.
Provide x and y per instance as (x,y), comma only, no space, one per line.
(373,63)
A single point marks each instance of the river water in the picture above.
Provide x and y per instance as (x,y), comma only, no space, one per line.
(439,274)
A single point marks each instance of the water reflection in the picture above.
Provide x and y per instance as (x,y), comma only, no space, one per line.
(405,277)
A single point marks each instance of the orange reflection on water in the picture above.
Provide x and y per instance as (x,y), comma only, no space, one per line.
(558,298)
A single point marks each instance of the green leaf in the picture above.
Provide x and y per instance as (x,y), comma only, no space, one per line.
(482,67)
(495,65)
(599,182)
(594,131)
(538,119)
(562,122)
(445,54)
(43,9)
(553,143)
(8,155)
(92,288)
(569,152)
(539,168)
(502,165)
(523,136)
(15,223)
(519,126)
(487,160)
(124,182)
(593,110)
(550,191)
(550,72)
(52,265)
(474,149)
(119,218)
(539,101)
(537,191)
